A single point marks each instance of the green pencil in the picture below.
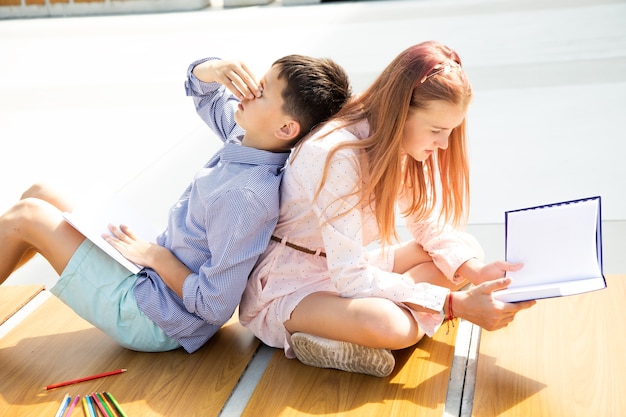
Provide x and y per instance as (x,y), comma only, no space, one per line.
(104,404)
(117,406)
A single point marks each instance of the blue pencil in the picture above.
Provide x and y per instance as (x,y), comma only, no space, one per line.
(98,404)
(63,406)
(92,410)
(69,411)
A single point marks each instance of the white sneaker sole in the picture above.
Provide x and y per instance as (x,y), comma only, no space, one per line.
(324,353)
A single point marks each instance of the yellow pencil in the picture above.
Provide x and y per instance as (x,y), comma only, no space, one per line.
(86,408)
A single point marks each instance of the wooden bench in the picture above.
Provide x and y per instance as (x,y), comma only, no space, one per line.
(564,357)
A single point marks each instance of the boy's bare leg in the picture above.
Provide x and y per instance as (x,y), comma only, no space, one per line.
(52,195)
(27,256)
(34,225)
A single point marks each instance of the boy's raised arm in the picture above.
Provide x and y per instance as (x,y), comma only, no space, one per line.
(232,74)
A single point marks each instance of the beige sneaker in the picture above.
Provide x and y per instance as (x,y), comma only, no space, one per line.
(325,353)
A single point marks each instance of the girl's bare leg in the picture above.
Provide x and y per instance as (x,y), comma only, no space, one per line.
(371,322)
(412,260)
(428,272)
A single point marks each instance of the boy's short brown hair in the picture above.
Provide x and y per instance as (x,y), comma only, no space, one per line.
(316,89)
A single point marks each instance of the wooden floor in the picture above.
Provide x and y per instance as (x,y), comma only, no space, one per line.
(565,357)
(417,387)
(14,297)
(53,344)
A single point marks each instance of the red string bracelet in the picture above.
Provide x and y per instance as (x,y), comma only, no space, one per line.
(450,312)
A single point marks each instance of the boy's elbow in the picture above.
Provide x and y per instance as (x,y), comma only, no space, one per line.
(218,313)
(222,316)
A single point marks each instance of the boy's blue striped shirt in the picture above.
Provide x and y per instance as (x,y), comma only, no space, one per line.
(218,228)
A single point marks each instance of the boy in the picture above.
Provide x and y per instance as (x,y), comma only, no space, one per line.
(196,272)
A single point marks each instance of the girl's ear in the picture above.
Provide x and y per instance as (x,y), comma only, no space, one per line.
(289,131)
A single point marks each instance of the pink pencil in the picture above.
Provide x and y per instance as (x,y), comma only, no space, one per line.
(103,410)
(69,411)
(87,378)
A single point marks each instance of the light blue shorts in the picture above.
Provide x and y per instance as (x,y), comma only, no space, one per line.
(100,290)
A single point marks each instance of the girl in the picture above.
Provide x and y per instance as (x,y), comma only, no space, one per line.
(399,149)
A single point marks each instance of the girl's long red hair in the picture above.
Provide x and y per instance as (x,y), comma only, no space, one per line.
(386,171)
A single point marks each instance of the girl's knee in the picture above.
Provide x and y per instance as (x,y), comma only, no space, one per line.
(393,328)
(431,270)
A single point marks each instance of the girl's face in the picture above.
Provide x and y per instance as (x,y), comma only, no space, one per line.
(428,129)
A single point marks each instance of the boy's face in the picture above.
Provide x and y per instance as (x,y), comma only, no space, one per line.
(261,117)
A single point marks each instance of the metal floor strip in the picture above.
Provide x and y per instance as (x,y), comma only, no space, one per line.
(244,389)
(463,371)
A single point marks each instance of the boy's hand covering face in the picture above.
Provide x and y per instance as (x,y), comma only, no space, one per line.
(236,76)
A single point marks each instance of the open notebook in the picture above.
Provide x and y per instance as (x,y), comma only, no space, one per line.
(560,246)
(92,218)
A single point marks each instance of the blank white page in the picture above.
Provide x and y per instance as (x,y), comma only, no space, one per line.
(556,243)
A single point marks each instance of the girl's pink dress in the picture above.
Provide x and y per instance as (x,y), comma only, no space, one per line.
(283,276)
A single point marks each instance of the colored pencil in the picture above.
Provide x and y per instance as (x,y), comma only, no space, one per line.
(92,408)
(104,403)
(109,404)
(96,400)
(69,411)
(63,406)
(86,408)
(118,407)
(87,378)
